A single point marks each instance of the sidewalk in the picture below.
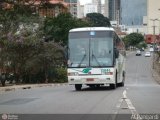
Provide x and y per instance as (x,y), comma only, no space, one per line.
(156,70)
(29,86)
(156,76)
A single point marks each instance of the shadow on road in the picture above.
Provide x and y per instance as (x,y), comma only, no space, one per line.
(102,88)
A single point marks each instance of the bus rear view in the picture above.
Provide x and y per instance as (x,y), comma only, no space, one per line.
(93,58)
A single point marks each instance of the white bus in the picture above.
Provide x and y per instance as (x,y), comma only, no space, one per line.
(96,57)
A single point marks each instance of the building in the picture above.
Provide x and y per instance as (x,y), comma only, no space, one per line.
(90,8)
(80,10)
(72,6)
(152,22)
(49,8)
(153,17)
(114,10)
(98,3)
(132,12)
(134,29)
(96,6)
(105,8)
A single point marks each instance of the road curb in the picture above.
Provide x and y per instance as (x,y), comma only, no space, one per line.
(25,87)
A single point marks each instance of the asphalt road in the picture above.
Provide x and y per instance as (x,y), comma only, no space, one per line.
(141,95)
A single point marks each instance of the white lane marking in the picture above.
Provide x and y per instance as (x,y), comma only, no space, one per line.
(128,101)
(119,103)
(124,94)
(125,103)
(130,105)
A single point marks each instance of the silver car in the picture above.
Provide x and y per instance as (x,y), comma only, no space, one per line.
(147,54)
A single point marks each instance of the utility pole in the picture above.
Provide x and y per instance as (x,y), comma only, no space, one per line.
(159,26)
(154,39)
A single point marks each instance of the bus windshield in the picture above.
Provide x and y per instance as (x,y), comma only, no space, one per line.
(90,49)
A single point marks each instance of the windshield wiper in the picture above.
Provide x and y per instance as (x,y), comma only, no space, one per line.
(96,59)
(82,60)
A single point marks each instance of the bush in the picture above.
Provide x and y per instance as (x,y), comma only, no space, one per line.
(61,75)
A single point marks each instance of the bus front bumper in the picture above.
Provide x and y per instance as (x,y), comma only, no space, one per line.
(91,80)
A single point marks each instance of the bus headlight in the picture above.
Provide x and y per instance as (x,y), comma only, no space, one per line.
(73,74)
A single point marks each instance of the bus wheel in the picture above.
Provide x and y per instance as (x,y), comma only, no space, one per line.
(98,86)
(78,87)
(121,84)
(91,86)
(113,86)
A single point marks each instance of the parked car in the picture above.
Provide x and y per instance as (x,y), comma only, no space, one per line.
(147,54)
(138,53)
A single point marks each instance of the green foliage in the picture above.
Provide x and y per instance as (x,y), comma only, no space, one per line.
(61,75)
(141,45)
(57,28)
(12,18)
(133,39)
(24,52)
(98,20)
(126,42)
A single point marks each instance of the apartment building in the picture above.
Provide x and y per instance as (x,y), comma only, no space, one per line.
(49,8)
(90,8)
(153,17)
(114,10)
(72,6)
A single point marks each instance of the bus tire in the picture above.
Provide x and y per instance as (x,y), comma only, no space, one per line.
(98,86)
(113,86)
(91,86)
(121,84)
(78,87)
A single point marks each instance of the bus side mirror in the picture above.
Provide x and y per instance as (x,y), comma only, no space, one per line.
(116,53)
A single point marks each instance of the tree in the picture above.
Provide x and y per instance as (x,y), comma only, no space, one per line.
(133,39)
(50,56)
(141,45)
(23,49)
(98,20)
(57,28)
(10,21)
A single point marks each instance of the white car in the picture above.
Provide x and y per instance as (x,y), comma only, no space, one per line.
(147,54)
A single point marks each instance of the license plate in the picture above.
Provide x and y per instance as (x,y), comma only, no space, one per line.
(90,79)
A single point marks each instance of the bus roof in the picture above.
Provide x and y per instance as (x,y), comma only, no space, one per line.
(92,28)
